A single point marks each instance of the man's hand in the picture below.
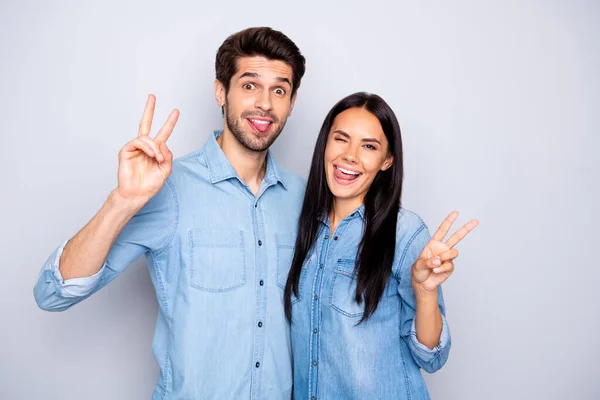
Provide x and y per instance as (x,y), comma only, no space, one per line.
(145,163)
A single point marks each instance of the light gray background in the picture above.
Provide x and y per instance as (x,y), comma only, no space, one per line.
(499,105)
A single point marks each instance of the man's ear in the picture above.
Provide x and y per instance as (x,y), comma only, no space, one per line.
(292,102)
(220,95)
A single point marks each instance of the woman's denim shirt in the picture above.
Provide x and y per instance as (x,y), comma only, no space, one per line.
(334,358)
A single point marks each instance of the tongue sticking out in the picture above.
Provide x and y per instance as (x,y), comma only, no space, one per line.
(261,127)
(343,176)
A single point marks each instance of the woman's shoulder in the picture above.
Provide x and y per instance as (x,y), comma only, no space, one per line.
(408,222)
(411,236)
(408,228)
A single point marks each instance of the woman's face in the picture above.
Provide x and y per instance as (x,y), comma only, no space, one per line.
(356,151)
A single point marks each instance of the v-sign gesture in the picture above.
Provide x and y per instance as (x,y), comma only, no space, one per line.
(436,262)
(145,163)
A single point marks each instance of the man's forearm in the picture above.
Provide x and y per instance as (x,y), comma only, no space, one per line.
(86,252)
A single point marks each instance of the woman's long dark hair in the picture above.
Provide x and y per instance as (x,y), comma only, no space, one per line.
(382,203)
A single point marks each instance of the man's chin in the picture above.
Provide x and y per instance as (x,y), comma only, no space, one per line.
(258,145)
(257,142)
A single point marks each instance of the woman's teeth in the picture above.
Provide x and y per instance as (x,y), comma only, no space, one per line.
(347,172)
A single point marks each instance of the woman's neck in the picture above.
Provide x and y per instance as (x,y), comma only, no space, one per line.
(340,209)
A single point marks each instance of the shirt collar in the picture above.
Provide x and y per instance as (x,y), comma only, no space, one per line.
(324,217)
(220,168)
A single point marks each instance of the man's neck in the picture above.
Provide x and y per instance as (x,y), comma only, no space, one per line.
(250,165)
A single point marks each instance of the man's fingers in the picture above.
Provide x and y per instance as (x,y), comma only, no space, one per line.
(167,128)
(154,146)
(146,122)
(135,145)
(164,149)
(462,232)
(442,231)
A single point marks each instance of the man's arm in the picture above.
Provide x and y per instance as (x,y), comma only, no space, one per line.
(85,253)
(144,165)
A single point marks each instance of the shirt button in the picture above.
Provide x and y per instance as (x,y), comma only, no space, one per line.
(256,205)
(314,363)
(352,215)
(335,238)
(326,236)
(320,265)
(261,282)
(316,297)
(313,398)
(260,324)
(315,330)
(260,243)
(257,364)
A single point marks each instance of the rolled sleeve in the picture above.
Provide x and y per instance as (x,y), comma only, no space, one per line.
(75,287)
(53,293)
(431,360)
(414,235)
(151,229)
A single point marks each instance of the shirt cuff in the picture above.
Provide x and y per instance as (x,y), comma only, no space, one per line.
(75,287)
(423,352)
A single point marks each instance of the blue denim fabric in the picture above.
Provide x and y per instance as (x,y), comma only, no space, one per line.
(381,358)
(218,258)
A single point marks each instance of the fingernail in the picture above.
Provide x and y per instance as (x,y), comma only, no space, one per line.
(437,262)
(436,270)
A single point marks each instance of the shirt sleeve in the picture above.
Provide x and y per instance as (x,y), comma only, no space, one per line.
(151,229)
(430,360)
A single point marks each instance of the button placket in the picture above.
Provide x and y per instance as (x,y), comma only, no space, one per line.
(316,306)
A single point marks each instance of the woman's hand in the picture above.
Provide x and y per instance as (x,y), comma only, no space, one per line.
(436,262)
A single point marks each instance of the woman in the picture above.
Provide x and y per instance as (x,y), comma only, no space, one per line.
(363,292)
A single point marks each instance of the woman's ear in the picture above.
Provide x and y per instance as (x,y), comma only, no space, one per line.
(387,163)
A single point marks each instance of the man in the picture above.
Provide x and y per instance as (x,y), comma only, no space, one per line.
(217,228)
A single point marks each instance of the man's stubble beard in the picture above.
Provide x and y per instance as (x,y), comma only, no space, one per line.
(249,140)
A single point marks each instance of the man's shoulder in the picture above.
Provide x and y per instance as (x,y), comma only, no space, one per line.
(189,166)
(291,180)
(193,160)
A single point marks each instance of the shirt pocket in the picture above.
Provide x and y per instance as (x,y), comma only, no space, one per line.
(343,290)
(217,259)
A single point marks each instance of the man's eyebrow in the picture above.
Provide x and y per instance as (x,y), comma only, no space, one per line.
(249,75)
(256,75)
(285,80)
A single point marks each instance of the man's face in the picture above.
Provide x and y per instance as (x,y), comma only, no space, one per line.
(258,102)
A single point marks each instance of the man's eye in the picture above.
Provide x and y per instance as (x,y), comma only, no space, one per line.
(248,86)
(280,91)
(370,147)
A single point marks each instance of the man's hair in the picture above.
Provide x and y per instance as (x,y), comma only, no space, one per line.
(262,41)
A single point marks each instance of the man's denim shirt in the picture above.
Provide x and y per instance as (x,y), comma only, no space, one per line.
(218,258)
(334,358)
